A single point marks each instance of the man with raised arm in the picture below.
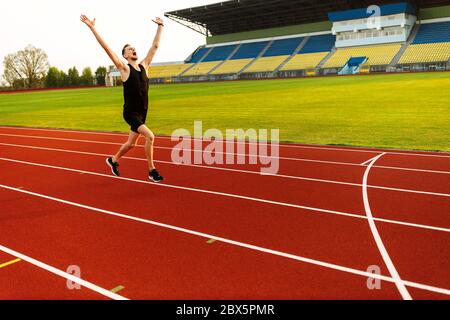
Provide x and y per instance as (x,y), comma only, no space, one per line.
(135,91)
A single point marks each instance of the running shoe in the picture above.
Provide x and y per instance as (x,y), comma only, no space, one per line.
(155,176)
(114,167)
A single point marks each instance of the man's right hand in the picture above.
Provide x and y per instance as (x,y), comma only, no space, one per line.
(86,21)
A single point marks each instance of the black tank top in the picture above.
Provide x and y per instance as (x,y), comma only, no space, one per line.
(135,91)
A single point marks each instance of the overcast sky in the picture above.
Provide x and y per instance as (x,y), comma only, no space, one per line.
(54,26)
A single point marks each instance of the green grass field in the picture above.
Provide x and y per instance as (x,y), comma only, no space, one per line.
(408,111)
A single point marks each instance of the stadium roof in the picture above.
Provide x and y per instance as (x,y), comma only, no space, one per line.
(249,15)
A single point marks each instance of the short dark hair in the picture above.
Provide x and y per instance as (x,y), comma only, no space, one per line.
(123,50)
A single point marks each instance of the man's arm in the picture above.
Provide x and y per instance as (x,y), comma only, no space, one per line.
(151,53)
(115,59)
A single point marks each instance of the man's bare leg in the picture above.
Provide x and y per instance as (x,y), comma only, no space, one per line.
(127,146)
(149,142)
(113,162)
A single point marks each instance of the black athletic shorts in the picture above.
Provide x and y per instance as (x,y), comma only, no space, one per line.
(135,119)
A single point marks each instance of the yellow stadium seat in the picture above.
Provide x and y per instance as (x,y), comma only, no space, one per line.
(305,61)
(429,52)
(232,66)
(167,71)
(202,68)
(365,68)
(378,55)
(267,64)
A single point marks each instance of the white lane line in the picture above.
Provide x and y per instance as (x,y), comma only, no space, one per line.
(235,243)
(230,195)
(58,272)
(412,170)
(281,158)
(234,170)
(438,194)
(187,165)
(376,235)
(117,134)
(140,146)
(366,163)
(284,145)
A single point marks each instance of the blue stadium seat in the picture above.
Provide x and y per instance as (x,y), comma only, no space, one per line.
(197,55)
(322,43)
(284,47)
(433,33)
(220,53)
(250,50)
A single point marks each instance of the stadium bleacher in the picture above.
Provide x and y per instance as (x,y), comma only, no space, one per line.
(321,43)
(232,66)
(201,68)
(283,47)
(315,50)
(304,61)
(215,57)
(432,44)
(167,71)
(276,54)
(425,53)
(266,64)
(268,51)
(220,53)
(198,55)
(377,55)
(433,32)
(243,56)
(250,50)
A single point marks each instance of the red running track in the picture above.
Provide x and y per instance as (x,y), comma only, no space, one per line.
(220,231)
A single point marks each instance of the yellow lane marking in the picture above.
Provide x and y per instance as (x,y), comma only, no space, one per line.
(117,289)
(9,263)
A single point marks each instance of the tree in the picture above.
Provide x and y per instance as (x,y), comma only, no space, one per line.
(53,79)
(26,67)
(19,84)
(73,77)
(87,78)
(63,79)
(100,75)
